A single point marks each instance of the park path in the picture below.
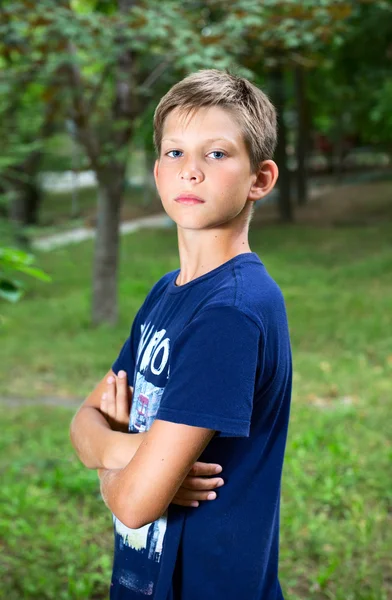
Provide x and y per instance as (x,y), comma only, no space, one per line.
(71,403)
(84,233)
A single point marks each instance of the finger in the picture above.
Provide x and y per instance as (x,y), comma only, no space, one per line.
(199,483)
(104,404)
(202,469)
(190,495)
(179,502)
(122,404)
(111,396)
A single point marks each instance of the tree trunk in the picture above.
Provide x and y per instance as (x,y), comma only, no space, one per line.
(284,188)
(33,198)
(302,135)
(338,150)
(24,209)
(110,192)
(3,206)
(125,108)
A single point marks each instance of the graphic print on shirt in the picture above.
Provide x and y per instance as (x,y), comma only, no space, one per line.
(138,551)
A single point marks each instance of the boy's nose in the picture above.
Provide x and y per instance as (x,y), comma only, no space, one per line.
(191,172)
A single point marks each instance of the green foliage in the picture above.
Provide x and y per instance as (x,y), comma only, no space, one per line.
(381,115)
(276,30)
(21,120)
(343,45)
(13,262)
(69,56)
(350,92)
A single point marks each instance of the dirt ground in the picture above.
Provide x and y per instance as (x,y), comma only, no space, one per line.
(349,204)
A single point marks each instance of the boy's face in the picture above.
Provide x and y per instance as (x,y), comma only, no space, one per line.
(205,155)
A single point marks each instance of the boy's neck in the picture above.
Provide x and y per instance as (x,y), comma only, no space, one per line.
(200,253)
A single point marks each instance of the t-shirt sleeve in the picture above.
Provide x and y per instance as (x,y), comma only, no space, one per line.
(213,368)
(126,360)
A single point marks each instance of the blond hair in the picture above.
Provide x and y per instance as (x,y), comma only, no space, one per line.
(210,87)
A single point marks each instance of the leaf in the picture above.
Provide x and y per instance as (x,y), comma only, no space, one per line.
(11,261)
(36,273)
(15,257)
(9,291)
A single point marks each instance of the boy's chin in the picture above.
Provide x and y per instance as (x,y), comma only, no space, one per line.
(188,221)
(192,219)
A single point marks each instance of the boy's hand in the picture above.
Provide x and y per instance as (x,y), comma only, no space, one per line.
(116,402)
(196,487)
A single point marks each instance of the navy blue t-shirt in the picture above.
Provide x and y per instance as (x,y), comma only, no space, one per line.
(214,353)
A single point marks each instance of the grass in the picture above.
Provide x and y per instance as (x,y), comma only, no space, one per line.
(336,496)
(45,497)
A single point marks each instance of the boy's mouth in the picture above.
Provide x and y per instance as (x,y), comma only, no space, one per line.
(189,199)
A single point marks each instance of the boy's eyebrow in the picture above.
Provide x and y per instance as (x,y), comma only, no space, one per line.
(178,141)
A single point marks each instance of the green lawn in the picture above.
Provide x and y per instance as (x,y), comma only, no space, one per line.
(336,497)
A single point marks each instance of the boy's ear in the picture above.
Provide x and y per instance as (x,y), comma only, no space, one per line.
(156,170)
(264,181)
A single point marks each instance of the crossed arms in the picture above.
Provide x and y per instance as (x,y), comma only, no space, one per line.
(141,473)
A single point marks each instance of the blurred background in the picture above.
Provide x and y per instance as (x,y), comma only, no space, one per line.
(79,82)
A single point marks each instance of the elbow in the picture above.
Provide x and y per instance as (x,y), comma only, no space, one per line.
(89,465)
(73,436)
(136,512)
(130,520)
(130,516)
(135,521)
(140,520)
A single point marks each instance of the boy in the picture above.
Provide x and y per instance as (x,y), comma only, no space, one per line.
(209,357)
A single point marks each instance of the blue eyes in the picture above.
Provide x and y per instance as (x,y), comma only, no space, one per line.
(218,152)
(171,152)
(178,152)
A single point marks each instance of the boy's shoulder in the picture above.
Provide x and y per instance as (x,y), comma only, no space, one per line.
(251,290)
(157,289)
(259,291)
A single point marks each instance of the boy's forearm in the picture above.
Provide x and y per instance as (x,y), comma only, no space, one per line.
(121,448)
(97,446)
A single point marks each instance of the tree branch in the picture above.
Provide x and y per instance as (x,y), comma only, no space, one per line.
(155,74)
(124,107)
(90,104)
(80,110)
